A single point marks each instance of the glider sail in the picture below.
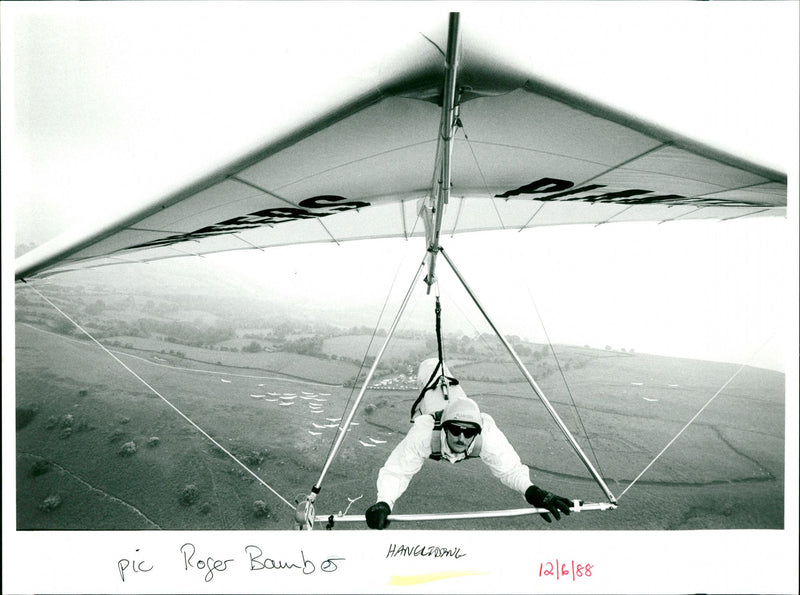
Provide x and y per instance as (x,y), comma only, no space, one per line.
(524,153)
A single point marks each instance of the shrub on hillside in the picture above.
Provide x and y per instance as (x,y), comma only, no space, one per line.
(205,508)
(153,441)
(65,433)
(40,468)
(25,416)
(50,503)
(369,409)
(51,422)
(253,458)
(84,426)
(261,509)
(189,494)
(116,435)
(128,449)
(67,420)
(217,451)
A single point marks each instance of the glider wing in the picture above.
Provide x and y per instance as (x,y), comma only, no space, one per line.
(527,153)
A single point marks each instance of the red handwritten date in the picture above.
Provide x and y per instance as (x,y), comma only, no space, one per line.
(566,570)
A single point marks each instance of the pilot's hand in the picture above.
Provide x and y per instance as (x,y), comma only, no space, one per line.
(543,499)
(376,515)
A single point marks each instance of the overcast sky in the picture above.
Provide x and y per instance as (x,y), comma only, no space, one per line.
(109,105)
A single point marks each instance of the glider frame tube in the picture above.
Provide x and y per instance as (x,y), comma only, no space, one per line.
(445,144)
(483,514)
(343,428)
(534,386)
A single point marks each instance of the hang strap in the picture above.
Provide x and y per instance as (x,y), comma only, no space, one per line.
(437,376)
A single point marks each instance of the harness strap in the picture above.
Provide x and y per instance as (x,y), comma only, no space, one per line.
(433,382)
(441,379)
(439,348)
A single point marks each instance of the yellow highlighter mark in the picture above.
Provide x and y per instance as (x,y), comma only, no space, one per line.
(417,579)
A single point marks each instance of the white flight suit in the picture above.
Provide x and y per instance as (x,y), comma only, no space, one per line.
(408,456)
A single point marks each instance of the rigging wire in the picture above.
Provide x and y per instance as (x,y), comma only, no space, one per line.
(361,367)
(696,415)
(481,336)
(491,347)
(566,384)
(159,395)
(480,171)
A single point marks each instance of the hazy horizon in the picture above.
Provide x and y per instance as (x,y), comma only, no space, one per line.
(573,285)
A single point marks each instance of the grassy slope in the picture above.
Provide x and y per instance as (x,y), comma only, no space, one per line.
(726,471)
(398,348)
(288,364)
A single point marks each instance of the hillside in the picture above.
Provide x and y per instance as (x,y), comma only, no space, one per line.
(97,450)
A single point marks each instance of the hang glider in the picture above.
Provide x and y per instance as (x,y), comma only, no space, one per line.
(524,153)
(454,137)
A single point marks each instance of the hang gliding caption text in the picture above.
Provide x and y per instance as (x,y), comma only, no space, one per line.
(201,564)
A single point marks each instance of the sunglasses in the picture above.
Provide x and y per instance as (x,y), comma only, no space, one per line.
(455,431)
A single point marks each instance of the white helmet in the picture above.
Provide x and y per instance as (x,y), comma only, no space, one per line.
(462,410)
(425,370)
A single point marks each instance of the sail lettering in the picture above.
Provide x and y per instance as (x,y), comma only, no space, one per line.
(312,208)
(552,189)
(321,202)
(543,185)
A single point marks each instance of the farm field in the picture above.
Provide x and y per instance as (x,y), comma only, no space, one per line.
(399,348)
(97,450)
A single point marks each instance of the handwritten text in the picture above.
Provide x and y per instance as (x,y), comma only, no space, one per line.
(124,564)
(258,561)
(566,570)
(423,550)
(209,564)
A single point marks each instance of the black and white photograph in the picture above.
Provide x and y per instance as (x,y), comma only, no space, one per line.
(400,297)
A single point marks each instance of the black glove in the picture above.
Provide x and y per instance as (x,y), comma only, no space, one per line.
(376,515)
(543,499)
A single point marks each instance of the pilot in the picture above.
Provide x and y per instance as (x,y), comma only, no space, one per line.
(464,433)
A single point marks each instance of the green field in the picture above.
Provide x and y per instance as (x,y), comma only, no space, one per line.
(77,408)
(398,348)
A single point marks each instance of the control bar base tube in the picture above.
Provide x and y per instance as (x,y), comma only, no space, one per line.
(485,514)
(538,391)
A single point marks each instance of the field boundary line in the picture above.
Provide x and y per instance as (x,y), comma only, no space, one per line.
(94,489)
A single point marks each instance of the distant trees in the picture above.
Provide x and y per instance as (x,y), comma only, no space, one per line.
(522,349)
(351,382)
(304,345)
(96,308)
(21,249)
(253,347)
(63,327)
(189,334)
